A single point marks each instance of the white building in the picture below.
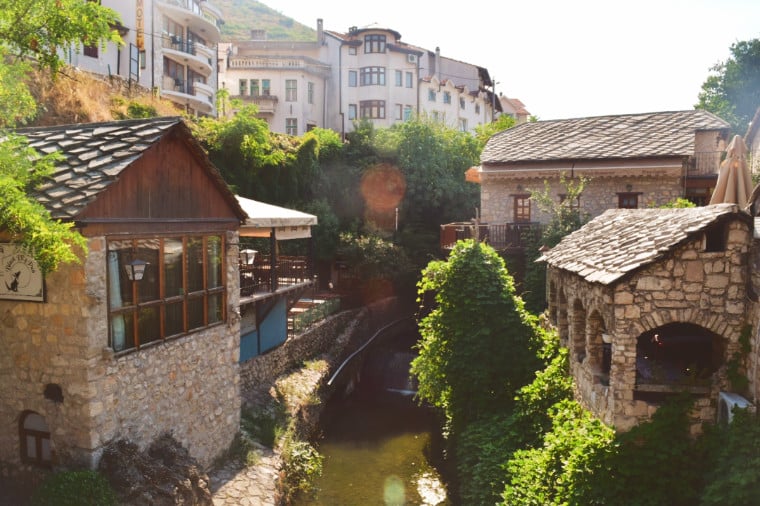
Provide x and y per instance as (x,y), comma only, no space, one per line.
(170,48)
(341,77)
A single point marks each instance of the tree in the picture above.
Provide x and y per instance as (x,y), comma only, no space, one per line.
(478,345)
(36,31)
(732,91)
(488,130)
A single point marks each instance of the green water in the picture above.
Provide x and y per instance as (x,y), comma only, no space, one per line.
(377,451)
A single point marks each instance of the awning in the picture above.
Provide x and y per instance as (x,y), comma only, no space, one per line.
(262,218)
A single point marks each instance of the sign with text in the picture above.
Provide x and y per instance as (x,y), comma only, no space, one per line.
(20,276)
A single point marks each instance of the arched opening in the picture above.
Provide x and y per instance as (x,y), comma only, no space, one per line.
(678,355)
(600,352)
(562,316)
(579,330)
(34,434)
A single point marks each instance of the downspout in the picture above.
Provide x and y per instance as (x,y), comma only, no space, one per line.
(340,93)
(153,49)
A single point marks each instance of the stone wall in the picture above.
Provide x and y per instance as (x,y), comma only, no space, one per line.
(689,285)
(336,332)
(188,386)
(497,201)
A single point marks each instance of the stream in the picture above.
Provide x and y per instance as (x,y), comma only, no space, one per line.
(379,445)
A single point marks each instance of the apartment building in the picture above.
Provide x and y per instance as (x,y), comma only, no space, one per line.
(170,48)
(366,73)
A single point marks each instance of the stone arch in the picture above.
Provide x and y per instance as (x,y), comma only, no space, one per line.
(562,325)
(34,437)
(595,343)
(678,353)
(710,321)
(578,334)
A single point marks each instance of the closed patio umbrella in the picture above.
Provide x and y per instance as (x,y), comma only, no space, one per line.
(734,183)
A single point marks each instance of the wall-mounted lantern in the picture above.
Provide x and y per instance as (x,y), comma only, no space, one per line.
(136,269)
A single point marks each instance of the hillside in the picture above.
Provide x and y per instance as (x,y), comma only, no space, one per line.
(242,16)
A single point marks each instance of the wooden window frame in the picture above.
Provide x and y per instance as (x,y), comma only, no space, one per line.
(374,43)
(521,208)
(291,90)
(372,109)
(624,196)
(39,437)
(372,76)
(129,313)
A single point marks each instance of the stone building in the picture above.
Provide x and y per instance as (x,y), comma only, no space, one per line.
(632,161)
(652,302)
(95,352)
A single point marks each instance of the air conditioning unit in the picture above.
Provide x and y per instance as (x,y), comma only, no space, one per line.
(411,58)
(727,402)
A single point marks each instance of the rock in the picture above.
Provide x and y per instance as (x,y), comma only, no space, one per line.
(163,475)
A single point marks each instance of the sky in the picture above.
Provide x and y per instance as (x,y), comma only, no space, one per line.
(564,59)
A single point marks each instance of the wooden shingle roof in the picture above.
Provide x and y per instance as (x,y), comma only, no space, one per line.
(95,154)
(658,134)
(620,241)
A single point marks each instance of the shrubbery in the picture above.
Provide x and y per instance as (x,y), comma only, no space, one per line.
(75,488)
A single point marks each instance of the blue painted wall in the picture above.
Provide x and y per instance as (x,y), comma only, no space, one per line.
(273,331)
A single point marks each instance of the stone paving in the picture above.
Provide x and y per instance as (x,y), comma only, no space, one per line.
(235,485)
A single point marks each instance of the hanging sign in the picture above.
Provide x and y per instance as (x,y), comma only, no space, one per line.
(20,276)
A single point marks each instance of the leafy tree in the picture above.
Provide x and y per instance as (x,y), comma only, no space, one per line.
(487,130)
(478,345)
(732,90)
(41,29)
(36,31)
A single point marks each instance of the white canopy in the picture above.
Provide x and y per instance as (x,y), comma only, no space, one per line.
(262,218)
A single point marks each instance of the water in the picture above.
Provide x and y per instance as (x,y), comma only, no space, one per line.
(376,451)
(379,447)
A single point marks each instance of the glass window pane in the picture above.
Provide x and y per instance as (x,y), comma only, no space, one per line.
(174,319)
(215,308)
(45,443)
(119,285)
(172,267)
(195,313)
(194,264)
(149,326)
(148,286)
(31,447)
(214,260)
(122,332)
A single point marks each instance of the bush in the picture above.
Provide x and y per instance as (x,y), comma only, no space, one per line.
(75,488)
(301,465)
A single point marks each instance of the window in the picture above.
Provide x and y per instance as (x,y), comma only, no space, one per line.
(372,76)
(477,108)
(431,95)
(374,43)
(435,116)
(254,87)
(177,72)
(399,112)
(408,112)
(461,103)
(628,200)
(310,92)
(291,126)
(574,205)
(409,80)
(462,124)
(399,78)
(522,208)
(351,111)
(266,87)
(373,109)
(182,289)
(351,50)
(352,78)
(291,90)
(446,97)
(143,59)
(90,50)
(34,435)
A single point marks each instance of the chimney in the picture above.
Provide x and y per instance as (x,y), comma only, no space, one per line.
(438,63)
(320,31)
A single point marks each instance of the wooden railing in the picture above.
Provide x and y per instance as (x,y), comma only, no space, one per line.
(259,277)
(500,236)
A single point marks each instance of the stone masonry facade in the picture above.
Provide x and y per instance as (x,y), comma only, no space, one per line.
(688,285)
(188,386)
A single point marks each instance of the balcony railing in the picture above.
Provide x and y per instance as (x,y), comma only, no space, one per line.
(500,236)
(260,278)
(706,163)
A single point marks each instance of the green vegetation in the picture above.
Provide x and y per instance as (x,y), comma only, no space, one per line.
(242,17)
(732,90)
(74,488)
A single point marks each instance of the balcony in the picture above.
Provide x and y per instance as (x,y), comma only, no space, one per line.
(196,95)
(258,279)
(267,104)
(502,236)
(302,63)
(705,164)
(192,54)
(199,16)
